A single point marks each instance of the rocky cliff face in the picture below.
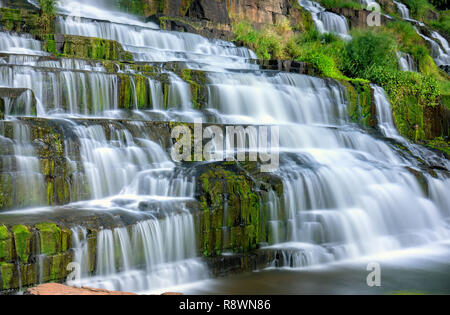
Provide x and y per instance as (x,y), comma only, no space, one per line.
(213,18)
(217,11)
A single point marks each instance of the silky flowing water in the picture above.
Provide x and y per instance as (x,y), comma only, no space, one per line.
(347,194)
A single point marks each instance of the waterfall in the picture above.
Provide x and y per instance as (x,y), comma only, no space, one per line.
(440,56)
(338,202)
(34,3)
(384,113)
(72,92)
(402,9)
(151,255)
(149,44)
(113,163)
(19,44)
(445,46)
(326,22)
(406,62)
(346,192)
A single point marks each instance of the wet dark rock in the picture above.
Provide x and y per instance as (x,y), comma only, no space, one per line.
(357,18)
(288,66)
(211,10)
(229,264)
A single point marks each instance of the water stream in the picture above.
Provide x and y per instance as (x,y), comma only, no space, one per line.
(347,193)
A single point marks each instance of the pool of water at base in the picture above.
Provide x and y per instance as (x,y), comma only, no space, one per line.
(423,270)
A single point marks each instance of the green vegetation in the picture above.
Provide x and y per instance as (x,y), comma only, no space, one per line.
(440,4)
(5,244)
(267,44)
(323,50)
(47,17)
(22,238)
(50,238)
(440,144)
(279,42)
(132,6)
(419,9)
(329,4)
(48,6)
(443,23)
(220,188)
(370,57)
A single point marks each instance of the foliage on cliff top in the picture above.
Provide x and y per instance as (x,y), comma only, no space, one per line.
(419,9)
(443,23)
(132,6)
(329,4)
(371,55)
(267,43)
(48,7)
(440,4)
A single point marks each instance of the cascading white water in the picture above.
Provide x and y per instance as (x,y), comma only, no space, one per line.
(440,56)
(19,43)
(28,173)
(388,129)
(384,113)
(346,192)
(150,44)
(402,9)
(73,92)
(113,163)
(406,62)
(151,255)
(349,195)
(445,56)
(326,22)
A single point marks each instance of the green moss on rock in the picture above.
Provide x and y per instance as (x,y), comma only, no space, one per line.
(50,238)
(7,275)
(86,47)
(361,107)
(22,239)
(228,203)
(197,82)
(6,244)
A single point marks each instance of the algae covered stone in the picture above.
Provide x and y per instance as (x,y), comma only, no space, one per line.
(22,239)
(6,244)
(50,238)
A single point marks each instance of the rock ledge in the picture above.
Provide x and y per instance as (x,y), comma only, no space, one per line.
(59,289)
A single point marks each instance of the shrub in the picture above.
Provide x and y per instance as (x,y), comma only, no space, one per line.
(443,24)
(368,50)
(132,6)
(48,7)
(329,4)
(418,8)
(266,44)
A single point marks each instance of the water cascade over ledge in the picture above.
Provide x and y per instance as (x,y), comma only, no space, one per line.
(346,192)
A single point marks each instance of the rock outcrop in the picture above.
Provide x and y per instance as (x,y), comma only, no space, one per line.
(59,289)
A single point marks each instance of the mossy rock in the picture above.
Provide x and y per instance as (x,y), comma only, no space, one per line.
(7,275)
(50,238)
(361,106)
(197,82)
(6,244)
(229,202)
(22,242)
(85,47)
